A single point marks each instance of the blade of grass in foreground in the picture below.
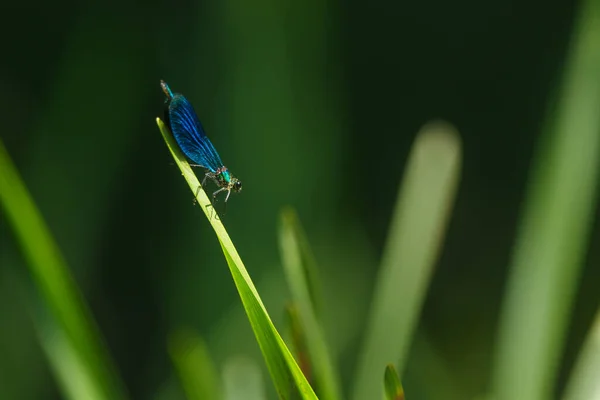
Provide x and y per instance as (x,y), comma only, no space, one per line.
(555,226)
(393,387)
(196,370)
(297,274)
(584,383)
(285,373)
(416,234)
(76,332)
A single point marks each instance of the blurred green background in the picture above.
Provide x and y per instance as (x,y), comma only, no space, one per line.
(313,104)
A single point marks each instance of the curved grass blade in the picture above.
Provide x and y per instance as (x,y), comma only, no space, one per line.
(67,366)
(195,367)
(584,383)
(309,263)
(298,341)
(243,380)
(286,375)
(301,280)
(416,234)
(555,226)
(393,387)
(78,335)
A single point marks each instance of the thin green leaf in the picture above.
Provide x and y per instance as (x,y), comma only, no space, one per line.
(243,380)
(289,221)
(76,333)
(584,383)
(393,387)
(194,365)
(554,228)
(73,379)
(298,340)
(297,273)
(416,235)
(284,371)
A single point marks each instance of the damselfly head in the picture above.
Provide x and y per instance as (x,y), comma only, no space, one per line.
(236,185)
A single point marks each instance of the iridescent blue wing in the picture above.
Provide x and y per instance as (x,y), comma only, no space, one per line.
(190,135)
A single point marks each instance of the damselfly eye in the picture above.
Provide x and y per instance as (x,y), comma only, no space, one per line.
(237,186)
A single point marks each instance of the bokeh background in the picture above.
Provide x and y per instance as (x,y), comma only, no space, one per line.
(312,104)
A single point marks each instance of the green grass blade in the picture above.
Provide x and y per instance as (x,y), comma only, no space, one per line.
(290,224)
(194,365)
(285,373)
(297,336)
(297,274)
(66,305)
(584,383)
(416,234)
(68,368)
(393,387)
(243,380)
(555,226)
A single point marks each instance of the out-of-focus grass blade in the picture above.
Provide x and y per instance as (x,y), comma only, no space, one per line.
(243,380)
(416,235)
(555,226)
(393,387)
(584,383)
(290,223)
(321,365)
(68,368)
(285,373)
(298,340)
(194,365)
(79,336)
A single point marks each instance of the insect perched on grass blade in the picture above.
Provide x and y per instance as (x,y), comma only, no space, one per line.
(189,134)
